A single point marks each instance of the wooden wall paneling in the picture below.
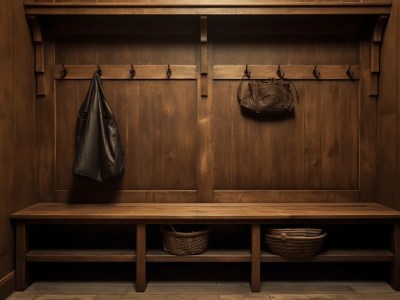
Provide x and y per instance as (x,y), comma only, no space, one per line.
(348,101)
(7,123)
(368,128)
(205,99)
(39,55)
(279,196)
(388,115)
(330,136)
(222,134)
(45,123)
(67,95)
(313,134)
(67,99)
(396,10)
(24,112)
(289,171)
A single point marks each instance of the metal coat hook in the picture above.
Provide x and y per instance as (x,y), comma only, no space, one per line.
(99,71)
(169,72)
(280,73)
(247,72)
(316,73)
(350,73)
(132,72)
(63,72)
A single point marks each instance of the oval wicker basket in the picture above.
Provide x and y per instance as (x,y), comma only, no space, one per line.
(184,243)
(294,243)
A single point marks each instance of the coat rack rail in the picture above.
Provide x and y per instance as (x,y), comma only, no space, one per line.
(78,72)
(293,72)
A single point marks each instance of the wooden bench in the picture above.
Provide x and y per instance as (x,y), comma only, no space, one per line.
(254,215)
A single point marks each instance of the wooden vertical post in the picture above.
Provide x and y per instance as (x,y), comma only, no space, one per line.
(141,278)
(255,258)
(21,275)
(204,166)
(395,276)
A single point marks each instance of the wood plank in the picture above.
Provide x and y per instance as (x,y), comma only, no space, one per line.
(80,255)
(204,122)
(21,272)
(207,211)
(302,8)
(279,196)
(337,255)
(210,255)
(368,128)
(141,249)
(395,248)
(293,72)
(255,282)
(122,72)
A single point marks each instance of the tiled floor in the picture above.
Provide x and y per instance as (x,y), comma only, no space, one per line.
(209,290)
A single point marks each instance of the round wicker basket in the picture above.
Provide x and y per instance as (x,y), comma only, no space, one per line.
(184,243)
(294,243)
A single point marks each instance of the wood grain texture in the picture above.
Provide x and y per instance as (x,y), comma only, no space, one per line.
(141,249)
(156,119)
(388,122)
(255,283)
(17,90)
(395,249)
(207,8)
(205,211)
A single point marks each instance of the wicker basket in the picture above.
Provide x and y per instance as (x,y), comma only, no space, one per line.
(184,243)
(294,243)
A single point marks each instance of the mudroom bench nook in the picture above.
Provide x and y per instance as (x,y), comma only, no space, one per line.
(256,215)
(171,73)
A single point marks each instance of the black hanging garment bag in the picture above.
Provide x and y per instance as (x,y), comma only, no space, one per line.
(99,154)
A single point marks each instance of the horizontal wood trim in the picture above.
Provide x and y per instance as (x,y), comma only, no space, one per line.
(292,196)
(240,8)
(81,255)
(337,255)
(211,255)
(207,212)
(137,196)
(123,71)
(304,72)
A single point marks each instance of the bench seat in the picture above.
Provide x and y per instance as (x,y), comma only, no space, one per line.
(253,214)
(155,212)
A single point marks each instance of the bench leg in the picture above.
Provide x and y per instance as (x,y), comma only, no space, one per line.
(255,258)
(141,280)
(21,277)
(395,276)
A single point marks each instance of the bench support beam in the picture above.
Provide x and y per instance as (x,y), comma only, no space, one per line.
(395,276)
(21,281)
(255,258)
(141,278)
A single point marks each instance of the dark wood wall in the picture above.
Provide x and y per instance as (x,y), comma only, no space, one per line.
(340,146)
(17,129)
(389,122)
(322,154)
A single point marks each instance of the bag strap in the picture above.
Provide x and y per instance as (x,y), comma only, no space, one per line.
(239,91)
(295,89)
